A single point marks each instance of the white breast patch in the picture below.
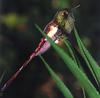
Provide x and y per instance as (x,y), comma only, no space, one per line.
(53,31)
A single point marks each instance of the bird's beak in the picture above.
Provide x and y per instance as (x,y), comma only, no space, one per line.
(71,15)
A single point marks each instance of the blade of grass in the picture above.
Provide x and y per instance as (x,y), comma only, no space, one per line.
(81,77)
(93,66)
(76,60)
(68,44)
(72,53)
(82,52)
(66,92)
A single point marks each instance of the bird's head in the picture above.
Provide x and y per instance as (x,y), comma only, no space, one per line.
(65,20)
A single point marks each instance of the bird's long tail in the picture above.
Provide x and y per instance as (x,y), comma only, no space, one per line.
(18,71)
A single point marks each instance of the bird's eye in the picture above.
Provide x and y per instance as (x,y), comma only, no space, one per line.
(62,13)
(65,13)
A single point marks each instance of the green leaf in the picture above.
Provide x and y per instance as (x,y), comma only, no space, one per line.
(76,60)
(73,67)
(70,48)
(93,66)
(66,92)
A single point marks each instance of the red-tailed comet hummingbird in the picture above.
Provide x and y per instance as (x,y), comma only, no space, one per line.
(62,21)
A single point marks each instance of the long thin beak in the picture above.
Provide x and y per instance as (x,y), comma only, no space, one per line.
(74,8)
(71,15)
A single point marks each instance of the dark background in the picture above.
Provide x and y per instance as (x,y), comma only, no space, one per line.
(19,37)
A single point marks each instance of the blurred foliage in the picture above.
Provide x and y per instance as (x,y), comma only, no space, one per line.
(60,3)
(12,20)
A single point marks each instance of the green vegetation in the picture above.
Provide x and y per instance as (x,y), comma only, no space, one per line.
(73,67)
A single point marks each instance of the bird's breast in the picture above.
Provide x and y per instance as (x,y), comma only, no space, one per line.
(52,31)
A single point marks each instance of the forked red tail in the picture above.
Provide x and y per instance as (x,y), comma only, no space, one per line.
(17,73)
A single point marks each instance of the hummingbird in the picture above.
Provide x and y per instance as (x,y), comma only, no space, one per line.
(63,21)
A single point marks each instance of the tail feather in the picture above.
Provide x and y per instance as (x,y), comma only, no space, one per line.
(18,71)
